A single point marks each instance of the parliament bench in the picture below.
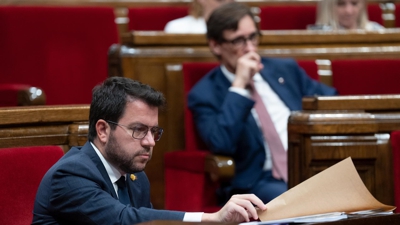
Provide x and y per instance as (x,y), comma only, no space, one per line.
(155,58)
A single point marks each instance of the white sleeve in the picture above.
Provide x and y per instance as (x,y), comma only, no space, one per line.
(192,217)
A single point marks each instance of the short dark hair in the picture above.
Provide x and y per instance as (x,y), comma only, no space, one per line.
(109,100)
(226,17)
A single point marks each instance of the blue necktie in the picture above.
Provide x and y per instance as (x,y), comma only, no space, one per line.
(123,191)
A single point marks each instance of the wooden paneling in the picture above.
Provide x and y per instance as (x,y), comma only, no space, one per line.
(320,137)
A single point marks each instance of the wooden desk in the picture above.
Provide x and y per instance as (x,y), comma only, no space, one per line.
(372,220)
(330,129)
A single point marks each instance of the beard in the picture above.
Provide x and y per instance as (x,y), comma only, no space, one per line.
(124,161)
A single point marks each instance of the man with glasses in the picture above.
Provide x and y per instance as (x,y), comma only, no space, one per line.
(103,182)
(224,106)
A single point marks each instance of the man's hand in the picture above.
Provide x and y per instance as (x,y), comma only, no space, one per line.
(247,66)
(238,209)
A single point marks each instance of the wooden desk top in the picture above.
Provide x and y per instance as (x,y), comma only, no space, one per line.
(157,2)
(272,38)
(371,220)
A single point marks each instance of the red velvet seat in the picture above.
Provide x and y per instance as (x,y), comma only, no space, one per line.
(366,76)
(311,68)
(22,169)
(395,141)
(375,13)
(397,15)
(290,17)
(62,50)
(187,186)
(153,18)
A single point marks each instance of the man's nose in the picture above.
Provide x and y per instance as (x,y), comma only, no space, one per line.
(148,140)
(250,46)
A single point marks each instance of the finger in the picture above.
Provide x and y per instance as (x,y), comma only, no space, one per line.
(246,203)
(235,208)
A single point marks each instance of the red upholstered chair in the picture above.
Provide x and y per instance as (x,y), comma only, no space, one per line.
(290,17)
(153,18)
(395,141)
(366,76)
(187,186)
(21,95)
(375,13)
(397,15)
(311,68)
(191,180)
(22,169)
(63,50)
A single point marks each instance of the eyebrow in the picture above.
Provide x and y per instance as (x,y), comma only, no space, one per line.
(138,123)
(242,36)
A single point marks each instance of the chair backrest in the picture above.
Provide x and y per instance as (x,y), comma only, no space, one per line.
(395,141)
(397,15)
(22,169)
(290,17)
(62,50)
(375,13)
(366,76)
(154,18)
(192,73)
(311,68)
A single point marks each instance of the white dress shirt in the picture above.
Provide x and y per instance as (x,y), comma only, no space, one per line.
(187,24)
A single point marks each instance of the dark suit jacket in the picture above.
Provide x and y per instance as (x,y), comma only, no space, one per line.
(224,119)
(78,190)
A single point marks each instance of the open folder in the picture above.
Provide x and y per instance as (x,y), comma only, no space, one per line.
(331,194)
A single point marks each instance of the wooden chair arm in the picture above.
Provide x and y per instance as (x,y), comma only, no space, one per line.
(31,96)
(219,167)
(21,95)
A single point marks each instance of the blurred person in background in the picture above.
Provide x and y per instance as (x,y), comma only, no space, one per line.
(342,15)
(195,22)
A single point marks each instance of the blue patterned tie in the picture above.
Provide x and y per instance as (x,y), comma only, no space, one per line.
(123,191)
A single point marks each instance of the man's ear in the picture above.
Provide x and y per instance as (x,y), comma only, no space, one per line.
(215,47)
(103,130)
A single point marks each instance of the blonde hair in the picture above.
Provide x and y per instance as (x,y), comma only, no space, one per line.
(326,14)
(195,9)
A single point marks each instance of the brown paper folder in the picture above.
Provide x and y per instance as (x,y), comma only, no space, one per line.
(336,189)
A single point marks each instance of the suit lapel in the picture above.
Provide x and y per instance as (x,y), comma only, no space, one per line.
(273,77)
(88,149)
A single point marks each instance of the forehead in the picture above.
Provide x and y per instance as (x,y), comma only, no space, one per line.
(245,27)
(137,111)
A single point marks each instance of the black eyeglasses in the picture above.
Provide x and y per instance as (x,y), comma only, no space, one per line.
(139,131)
(240,42)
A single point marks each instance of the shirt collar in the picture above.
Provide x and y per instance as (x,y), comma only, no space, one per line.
(112,172)
(230,76)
